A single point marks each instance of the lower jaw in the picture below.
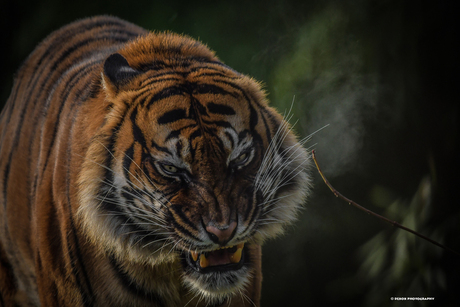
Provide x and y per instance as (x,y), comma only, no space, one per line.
(218,286)
(217,283)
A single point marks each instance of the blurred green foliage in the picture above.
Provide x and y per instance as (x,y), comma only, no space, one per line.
(381,74)
(394,263)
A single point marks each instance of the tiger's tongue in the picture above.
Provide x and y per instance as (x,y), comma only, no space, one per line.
(218,257)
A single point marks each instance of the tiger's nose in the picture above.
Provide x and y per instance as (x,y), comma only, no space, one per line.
(221,234)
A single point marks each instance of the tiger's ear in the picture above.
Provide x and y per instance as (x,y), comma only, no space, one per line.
(117,72)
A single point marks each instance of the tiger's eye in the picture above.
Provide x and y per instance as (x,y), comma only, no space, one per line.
(170,168)
(241,158)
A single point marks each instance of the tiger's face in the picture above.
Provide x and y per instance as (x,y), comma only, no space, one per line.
(193,169)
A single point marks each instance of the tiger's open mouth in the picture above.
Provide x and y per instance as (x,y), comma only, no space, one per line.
(226,258)
(217,274)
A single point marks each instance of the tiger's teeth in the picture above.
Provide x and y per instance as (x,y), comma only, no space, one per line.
(194,255)
(236,257)
(203,261)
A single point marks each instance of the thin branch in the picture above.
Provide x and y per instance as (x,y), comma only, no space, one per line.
(393,223)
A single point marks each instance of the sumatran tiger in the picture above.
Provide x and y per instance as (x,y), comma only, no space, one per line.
(136,169)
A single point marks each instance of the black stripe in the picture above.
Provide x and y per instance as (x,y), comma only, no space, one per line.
(179,147)
(75,254)
(253,118)
(162,149)
(39,77)
(217,73)
(74,80)
(71,31)
(67,52)
(127,160)
(219,123)
(179,228)
(87,294)
(182,63)
(166,93)
(78,75)
(234,86)
(253,115)
(195,134)
(7,269)
(242,135)
(207,88)
(50,51)
(175,133)
(251,205)
(220,109)
(219,67)
(132,286)
(172,116)
(6,174)
(109,204)
(10,107)
(178,211)
(197,110)
(128,197)
(157,79)
(262,109)
(108,175)
(138,135)
(264,113)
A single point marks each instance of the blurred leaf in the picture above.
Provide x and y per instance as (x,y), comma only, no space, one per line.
(397,263)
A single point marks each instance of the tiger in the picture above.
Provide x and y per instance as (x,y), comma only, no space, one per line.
(137,169)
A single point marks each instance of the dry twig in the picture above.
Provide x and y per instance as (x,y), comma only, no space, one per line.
(393,223)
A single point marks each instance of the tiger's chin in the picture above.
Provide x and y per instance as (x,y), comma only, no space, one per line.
(217,275)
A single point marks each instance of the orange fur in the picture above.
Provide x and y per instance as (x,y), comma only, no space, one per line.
(90,214)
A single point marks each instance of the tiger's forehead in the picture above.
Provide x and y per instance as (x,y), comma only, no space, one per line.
(210,112)
(181,127)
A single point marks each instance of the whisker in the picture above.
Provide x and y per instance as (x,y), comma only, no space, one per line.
(141,214)
(163,246)
(196,294)
(142,183)
(272,203)
(272,200)
(113,156)
(247,298)
(172,248)
(137,196)
(146,192)
(155,241)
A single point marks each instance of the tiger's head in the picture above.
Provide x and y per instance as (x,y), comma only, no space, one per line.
(190,166)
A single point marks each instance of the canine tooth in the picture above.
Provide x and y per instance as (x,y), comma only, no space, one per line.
(194,255)
(236,257)
(203,261)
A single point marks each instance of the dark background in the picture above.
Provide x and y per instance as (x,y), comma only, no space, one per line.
(383,76)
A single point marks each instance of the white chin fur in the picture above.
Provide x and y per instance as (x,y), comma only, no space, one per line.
(216,287)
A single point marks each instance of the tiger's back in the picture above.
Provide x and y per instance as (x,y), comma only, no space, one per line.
(110,142)
(48,91)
